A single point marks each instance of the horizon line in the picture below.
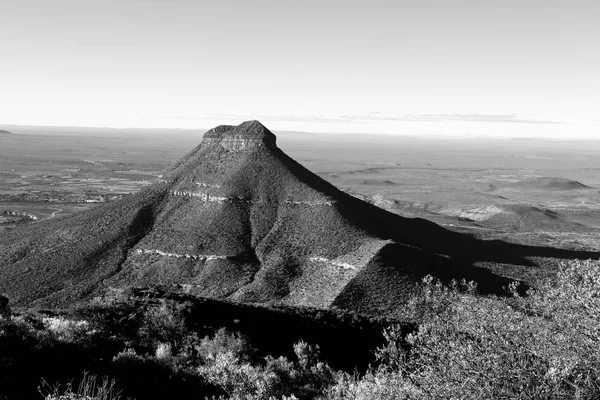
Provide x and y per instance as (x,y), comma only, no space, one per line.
(364,133)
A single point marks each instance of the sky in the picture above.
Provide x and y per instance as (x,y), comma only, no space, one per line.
(526,68)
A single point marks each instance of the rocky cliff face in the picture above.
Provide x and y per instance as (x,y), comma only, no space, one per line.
(246,136)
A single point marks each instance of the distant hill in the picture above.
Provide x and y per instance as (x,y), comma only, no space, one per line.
(542,183)
(560,184)
(238,219)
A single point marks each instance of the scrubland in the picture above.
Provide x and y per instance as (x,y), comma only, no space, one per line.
(448,342)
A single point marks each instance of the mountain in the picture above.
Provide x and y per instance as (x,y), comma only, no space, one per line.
(238,219)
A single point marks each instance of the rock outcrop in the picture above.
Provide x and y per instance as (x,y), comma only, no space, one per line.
(246,136)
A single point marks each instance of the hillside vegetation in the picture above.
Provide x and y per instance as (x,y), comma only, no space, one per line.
(544,345)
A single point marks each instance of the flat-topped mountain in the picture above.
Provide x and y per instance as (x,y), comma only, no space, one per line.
(248,135)
(238,219)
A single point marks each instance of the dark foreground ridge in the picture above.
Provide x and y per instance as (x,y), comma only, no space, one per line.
(5,132)
(238,219)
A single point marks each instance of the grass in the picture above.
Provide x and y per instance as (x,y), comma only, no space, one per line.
(90,388)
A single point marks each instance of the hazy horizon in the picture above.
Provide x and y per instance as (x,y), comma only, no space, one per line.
(436,68)
(104,131)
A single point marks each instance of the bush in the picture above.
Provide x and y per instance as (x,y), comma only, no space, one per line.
(150,377)
(238,379)
(542,346)
(166,325)
(228,367)
(68,330)
(224,341)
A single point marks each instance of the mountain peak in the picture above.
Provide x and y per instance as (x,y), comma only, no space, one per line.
(247,135)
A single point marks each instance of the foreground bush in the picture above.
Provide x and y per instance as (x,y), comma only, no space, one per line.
(166,325)
(543,346)
(227,366)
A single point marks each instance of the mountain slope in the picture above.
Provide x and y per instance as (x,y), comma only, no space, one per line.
(236,218)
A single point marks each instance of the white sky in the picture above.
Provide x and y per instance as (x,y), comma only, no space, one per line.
(446,67)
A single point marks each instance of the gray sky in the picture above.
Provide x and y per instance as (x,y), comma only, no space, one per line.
(445,67)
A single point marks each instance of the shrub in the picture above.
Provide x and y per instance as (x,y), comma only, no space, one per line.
(542,346)
(381,384)
(166,324)
(227,366)
(238,379)
(163,350)
(67,330)
(224,341)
